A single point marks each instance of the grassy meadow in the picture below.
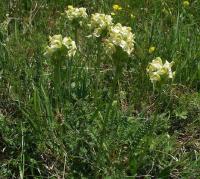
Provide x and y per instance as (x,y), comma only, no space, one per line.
(89,114)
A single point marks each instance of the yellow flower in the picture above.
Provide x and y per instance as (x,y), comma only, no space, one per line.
(152,49)
(117,7)
(186,3)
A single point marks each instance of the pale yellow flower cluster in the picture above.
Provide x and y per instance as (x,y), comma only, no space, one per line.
(100,22)
(76,13)
(70,45)
(57,42)
(120,36)
(102,25)
(156,69)
(113,35)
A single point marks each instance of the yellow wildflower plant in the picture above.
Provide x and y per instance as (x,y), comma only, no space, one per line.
(57,42)
(186,3)
(117,7)
(76,13)
(100,22)
(152,49)
(121,36)
(156,69)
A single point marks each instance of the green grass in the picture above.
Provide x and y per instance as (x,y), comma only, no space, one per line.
(94,124)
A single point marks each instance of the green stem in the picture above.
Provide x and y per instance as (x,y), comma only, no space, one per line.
(97,72)
(118,70)
(69,71)
(57,80)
